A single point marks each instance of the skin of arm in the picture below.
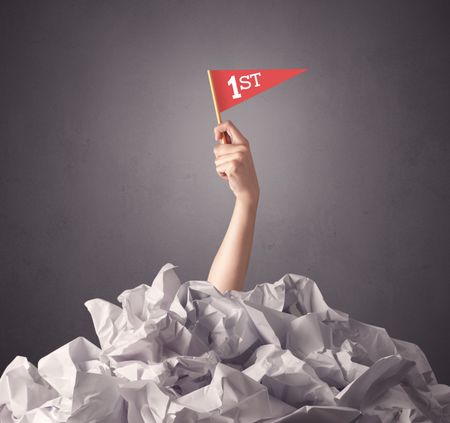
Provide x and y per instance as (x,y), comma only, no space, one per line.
(234,163)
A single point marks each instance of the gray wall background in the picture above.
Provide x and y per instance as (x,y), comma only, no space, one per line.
(107,168)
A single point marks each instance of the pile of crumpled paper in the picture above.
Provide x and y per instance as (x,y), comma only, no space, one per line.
(188,353)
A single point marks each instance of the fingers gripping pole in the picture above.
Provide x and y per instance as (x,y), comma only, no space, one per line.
(223,140)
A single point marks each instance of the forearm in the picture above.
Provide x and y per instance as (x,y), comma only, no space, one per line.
(230,264)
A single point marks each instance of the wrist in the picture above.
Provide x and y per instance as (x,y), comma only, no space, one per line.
(247,200)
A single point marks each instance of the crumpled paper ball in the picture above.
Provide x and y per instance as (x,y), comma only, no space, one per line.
(185,352)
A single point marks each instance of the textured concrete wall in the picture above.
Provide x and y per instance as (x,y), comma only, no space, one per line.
(107,172)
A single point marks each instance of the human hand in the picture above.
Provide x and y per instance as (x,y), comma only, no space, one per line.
(234,162)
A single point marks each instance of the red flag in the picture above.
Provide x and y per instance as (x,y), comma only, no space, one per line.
(234,86)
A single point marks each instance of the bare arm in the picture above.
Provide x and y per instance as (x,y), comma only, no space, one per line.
(234,163)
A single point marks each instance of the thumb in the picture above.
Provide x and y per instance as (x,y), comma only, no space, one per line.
(228,131)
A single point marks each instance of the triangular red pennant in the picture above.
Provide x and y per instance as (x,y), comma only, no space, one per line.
(234,86)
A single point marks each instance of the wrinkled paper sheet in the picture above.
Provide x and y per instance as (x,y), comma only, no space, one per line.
(186,353)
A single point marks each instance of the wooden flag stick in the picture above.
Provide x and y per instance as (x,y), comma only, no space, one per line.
(213,92)
(223,140)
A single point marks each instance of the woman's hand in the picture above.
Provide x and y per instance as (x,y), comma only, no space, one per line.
(234,163)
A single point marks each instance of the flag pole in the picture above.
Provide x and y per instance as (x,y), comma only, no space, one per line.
(223,140)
